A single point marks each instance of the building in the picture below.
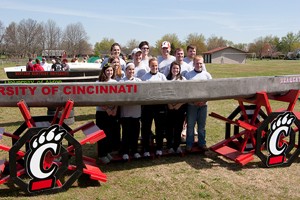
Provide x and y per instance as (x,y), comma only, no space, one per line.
(225,55)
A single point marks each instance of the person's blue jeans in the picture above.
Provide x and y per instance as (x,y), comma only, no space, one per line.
(196,114)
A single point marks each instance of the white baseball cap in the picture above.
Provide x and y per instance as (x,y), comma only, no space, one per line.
(135,50)
(166,44)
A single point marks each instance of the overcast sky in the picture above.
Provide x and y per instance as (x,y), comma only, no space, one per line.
(234,20)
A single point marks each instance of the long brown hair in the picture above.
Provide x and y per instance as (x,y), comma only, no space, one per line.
(102,75)
(118,71)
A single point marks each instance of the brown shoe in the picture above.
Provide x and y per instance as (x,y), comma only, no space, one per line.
(203,148)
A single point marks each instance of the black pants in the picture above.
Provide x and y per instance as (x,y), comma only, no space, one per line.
(158,114)
(130,134)
(111,128)
(175,120)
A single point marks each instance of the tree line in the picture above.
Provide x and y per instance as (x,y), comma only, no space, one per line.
(29,37)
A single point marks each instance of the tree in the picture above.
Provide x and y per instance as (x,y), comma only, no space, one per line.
(74,36)
(289,41)
(11,40)
(52,35)
(103,48)
(2,30)
(216,42)
(196,40)
(130,45)
(172,38)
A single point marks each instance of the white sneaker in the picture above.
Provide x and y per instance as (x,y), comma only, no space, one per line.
(179,150)
(104,160)
(147,154)
(125,157)
(109,157)
(136,155)
(158,152)
(171,150)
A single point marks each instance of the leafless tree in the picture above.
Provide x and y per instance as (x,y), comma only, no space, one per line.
(11,40)
(75,39)
(52,35)
(2,30)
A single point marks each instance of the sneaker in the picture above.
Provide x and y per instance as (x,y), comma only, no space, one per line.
(109,157)
(158,152)
(203,147)
(171,150)
(188,148)
(179,150)
(125,157)
(136,155)
(147,154)
(104,160)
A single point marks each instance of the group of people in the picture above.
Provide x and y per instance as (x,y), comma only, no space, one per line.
(56,65)
(168,119)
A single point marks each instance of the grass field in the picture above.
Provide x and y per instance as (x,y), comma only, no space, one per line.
(196,176)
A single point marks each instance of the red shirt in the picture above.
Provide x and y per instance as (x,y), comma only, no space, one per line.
(37,67)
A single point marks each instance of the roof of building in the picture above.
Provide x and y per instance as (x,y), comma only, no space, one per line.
(222,48)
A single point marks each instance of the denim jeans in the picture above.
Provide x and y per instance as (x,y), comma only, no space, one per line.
(196,114)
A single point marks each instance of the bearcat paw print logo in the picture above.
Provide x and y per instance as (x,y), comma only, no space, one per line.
(47,141)
(280,128)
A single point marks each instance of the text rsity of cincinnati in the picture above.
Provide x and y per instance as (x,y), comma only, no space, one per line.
(68,90)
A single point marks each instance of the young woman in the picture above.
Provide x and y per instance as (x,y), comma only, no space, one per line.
(115,51)
(130,120)
(156,112)
(106,118)
(115,61)
(175,113)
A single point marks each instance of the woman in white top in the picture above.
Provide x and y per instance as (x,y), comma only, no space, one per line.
(175,113)
(106,119)
(130,120)
(156,112)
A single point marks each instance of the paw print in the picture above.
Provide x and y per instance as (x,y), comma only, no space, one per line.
(283,121)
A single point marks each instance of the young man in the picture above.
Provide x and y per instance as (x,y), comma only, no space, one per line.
(191,53)
(165,60)
(197,111)
(179,55)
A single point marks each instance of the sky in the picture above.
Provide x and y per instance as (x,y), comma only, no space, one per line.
(234,20)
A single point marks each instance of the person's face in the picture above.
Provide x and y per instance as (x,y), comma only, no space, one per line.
(116,51)
(154,66)
(116,63)
(109,72)
(179,55)
(137,57)
(191,53)
(198,64)
(165,51)
(145,50)
(175,70)
(129,72)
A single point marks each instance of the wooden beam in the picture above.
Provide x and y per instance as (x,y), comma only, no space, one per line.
(92,94)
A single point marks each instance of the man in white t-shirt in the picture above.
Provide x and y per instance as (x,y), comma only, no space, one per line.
(165,59)
(191,53)
(179,55)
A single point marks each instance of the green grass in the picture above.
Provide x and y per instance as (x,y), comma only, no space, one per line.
(190,177)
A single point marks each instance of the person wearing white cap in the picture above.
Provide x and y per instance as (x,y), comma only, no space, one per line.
(165,59)
(130,120)
(140,68)
(153,112)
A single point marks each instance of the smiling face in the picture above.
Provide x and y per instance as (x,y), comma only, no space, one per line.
(109,72)
(116,62)
(153,64)
(191,53)
(175,70)
(179,55)
(145,50)
(137,57)
(116,50)
(130,71)
(198,62)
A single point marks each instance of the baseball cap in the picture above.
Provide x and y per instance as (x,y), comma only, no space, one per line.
(135,50)
(165,44)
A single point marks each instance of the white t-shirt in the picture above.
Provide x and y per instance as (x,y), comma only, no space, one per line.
(154,77)
(133,111)
(163,63)
(141,70)
(193,75)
